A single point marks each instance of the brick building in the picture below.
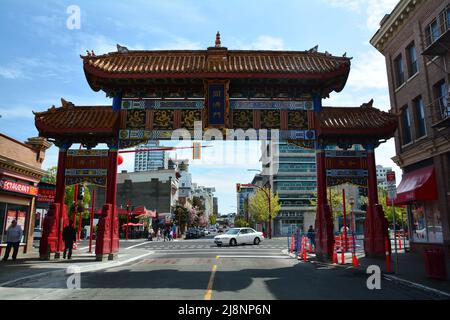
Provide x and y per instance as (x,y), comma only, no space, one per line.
(415,40)
(20,173)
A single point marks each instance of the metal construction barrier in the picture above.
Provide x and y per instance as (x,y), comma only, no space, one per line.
(345,244)
(435,264)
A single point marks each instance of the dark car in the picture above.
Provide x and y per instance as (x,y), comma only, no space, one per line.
(193,234)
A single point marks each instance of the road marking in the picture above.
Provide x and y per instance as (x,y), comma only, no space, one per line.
(248,256)
(136,245)
(208,293)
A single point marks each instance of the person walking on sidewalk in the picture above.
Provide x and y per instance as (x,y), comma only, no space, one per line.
(311,236)
(69,237)
(13,237)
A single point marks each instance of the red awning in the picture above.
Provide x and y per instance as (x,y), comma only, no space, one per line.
(417,185)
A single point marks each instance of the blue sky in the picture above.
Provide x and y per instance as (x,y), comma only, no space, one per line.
(40,63)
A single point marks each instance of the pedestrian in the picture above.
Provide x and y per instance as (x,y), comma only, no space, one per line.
(69,237)
(311,236)
(170,235)
(13,237)
(151,233)
(158,234)
(165,234)
(174,231)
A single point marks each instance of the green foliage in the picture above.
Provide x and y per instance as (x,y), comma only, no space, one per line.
(212,219)
(259,205)
(68,199)
(240,222)
(335,201)
(50,176)
(400,213)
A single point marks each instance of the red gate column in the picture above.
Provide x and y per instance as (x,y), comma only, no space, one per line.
(55,220)
(324,221)
(375,225)
(107,244)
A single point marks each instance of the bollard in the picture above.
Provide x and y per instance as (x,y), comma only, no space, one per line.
(388,256)
(355,261)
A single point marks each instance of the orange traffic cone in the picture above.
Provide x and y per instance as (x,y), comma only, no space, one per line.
(335,258)
(355,260)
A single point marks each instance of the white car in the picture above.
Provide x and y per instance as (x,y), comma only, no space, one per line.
(235,236)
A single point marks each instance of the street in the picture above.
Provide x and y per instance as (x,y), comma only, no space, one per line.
(198,270)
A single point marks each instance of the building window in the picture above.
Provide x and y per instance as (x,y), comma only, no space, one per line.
(399,71)
(433,32)
(406,121)
(420,117)
(442,98)
(10,212)
(412,60)
(426,222)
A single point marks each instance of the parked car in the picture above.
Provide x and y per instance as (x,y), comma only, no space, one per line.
(37,234)
(193,234)
(235,236)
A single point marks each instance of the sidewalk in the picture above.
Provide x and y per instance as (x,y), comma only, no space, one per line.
(30,266)
(411,271)
(411,267)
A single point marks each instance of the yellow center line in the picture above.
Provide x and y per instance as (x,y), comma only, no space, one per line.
(208,293)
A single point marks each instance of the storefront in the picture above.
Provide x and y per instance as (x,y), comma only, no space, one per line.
(17,200)
(418,191)
(20,173)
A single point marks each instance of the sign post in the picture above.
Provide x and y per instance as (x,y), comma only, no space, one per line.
(392,191)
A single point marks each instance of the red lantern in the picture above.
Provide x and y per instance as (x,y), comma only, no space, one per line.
(119,159)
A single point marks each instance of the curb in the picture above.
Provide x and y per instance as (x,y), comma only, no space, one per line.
(416,285)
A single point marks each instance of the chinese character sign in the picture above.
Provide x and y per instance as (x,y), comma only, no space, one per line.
(216,104)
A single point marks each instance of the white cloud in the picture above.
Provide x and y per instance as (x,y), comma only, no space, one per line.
(368,71)
(11,72)
(353,5)
(375,9)
(262,42)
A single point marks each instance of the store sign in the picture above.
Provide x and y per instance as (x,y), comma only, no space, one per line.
(391,185)
(46,195)
(13,186)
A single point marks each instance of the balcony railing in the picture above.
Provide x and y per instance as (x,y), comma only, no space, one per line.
(437,36)
(441,111)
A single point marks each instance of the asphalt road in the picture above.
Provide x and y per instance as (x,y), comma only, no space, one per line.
(197,269)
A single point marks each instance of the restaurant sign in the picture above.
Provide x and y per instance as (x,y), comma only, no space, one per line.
(13,186)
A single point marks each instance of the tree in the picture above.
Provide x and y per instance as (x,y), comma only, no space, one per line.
(400,213)
(259,205)
(182,217)
(212,219)
(240,222)
(50,176)
(68,199)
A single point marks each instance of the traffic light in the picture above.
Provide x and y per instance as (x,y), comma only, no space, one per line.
(80,195)
(362,191)
(238,187)
(196,150)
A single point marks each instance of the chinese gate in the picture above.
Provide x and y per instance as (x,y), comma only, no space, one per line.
(158,93)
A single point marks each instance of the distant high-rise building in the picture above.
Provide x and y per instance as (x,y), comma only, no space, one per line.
(295,184)
(150,160)
(381,176)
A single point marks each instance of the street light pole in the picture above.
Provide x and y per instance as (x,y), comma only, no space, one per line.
(351,201)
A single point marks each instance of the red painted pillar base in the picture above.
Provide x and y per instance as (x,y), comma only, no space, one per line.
(114,235)
(51,240)
(103,242)
(375,231)
(324,233)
